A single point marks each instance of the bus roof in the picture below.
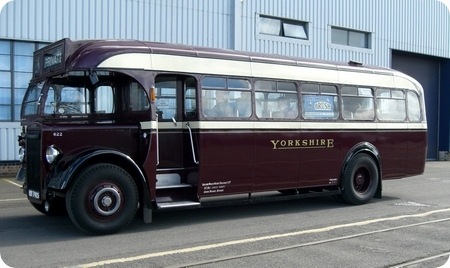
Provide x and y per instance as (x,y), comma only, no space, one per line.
(107,48)
(134,54)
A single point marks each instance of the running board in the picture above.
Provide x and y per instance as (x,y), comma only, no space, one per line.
(178,205)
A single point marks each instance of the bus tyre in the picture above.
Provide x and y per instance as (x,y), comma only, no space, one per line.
(103,199)
(360,180)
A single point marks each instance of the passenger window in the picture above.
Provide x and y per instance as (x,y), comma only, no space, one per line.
(166,103)
(226,97)
(276,99)
(319,101)
(104,99)
(391,105)
(357,103)
(414,112)
(190,100)
(138,98)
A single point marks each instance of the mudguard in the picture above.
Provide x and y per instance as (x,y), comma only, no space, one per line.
(60,179)
(370,149)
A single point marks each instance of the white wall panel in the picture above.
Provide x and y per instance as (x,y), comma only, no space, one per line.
(8,141)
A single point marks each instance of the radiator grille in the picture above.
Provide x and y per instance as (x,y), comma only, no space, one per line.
(34,160)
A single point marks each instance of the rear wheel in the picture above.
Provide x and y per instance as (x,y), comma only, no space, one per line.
(103,199)
(360,180)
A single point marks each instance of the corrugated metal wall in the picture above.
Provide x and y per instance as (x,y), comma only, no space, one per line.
(419,26)
(200,22)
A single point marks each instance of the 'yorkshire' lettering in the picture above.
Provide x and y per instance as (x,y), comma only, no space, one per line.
(305,143)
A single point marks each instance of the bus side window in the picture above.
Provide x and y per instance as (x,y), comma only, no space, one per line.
(166,103)
(357,103)
(219,104)
(190,98)
(414,111)
(244,105)
(104,99)
(319,101)
(138,98)
(276,99)
(226,97)
(262,103)
(391,105)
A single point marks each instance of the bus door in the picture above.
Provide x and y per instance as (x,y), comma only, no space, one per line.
(176,102)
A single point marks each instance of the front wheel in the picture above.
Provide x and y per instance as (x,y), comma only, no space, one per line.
(103,199)
(360,180)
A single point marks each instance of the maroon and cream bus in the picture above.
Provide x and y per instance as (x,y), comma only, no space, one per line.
(114,128)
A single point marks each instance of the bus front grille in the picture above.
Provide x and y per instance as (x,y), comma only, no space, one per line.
(33,159)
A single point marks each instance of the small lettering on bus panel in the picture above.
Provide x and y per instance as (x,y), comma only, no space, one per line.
(215,187)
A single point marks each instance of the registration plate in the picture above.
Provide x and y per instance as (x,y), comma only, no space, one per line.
(34,194)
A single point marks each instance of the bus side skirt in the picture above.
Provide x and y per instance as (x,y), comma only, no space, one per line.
(264,199)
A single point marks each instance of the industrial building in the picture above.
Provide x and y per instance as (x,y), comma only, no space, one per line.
(412,36)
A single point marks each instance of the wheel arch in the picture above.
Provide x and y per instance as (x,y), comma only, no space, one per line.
(371,150)
(65,178)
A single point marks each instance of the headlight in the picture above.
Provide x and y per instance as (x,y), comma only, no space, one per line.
(21,154)
(51,154)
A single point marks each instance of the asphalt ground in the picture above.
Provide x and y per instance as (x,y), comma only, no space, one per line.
(408,227)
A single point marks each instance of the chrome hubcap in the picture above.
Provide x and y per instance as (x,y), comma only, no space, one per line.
(107,201)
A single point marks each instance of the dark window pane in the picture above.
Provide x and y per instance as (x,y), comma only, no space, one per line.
(266,85)
(5,79)
(17,112)
(339,36)
(358,39)
(5,113)
(294,30)
(23,63)
(5,96)
(269,26)
(327,89)
(21,80)
(238,84)
(5,62)
(214,82)
(5,47)
(310,88)
(18,95)
(23,48)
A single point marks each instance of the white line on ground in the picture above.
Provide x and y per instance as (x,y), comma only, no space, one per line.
(261,238)
(13,183)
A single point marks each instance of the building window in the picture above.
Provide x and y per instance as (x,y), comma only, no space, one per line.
(283,27)
(16,66)
(349,37)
